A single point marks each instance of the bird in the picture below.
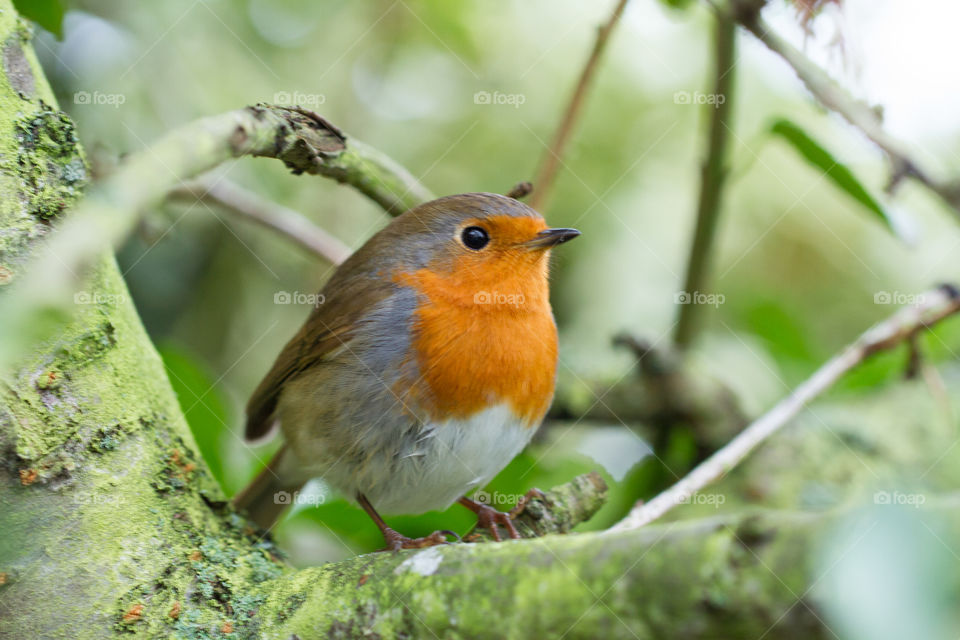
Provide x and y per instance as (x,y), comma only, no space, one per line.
(427,366)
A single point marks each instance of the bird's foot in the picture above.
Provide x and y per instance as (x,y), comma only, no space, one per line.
(491,519)
(396,541)
(488,518)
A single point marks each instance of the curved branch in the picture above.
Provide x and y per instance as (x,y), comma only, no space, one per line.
(304,141)
(251,206)
(831,95)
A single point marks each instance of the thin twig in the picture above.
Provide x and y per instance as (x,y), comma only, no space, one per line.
(859,114)
(251,206)
(935,306)
(711,183)
(553,155)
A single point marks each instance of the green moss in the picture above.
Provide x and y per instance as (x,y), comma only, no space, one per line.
(49,161)
(131,502)
(23,30)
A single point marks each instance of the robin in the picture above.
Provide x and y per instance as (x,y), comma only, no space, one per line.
(427,368)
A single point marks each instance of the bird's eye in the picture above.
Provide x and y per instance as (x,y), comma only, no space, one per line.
(475,238)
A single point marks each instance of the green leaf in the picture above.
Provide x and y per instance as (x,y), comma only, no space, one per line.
(46,13)
(838,173)
(202,404)
(680,5)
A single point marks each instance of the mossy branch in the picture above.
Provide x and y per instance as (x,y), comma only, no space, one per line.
(734,576)
(304,141)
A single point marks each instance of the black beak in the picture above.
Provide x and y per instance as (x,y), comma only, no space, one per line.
(549,238)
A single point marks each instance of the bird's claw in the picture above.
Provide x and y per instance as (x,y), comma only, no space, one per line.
(525,500)
(396,541)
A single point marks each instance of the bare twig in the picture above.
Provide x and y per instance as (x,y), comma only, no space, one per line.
(711,184)
(859,114)
(253,207)
(552,157)
(936,305)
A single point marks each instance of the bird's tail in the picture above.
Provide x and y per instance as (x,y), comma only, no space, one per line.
(268,494)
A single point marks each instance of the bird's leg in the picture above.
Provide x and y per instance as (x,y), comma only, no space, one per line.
(396,541)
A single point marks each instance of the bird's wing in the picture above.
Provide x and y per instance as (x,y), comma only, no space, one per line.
(330,326)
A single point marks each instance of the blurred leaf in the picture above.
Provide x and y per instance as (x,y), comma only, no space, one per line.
(452,19)
(886,367)
(838,173)
(783,328)
(202,405)
(677,4)
(46,13)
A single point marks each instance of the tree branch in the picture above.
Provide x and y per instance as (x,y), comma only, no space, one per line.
(553,155)
(711,184)
(304,141)
(731,576)
(859,114)
(935,306)
(251,206)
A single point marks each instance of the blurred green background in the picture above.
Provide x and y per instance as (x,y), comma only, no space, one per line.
(800,263)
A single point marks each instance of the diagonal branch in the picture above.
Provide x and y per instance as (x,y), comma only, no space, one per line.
(934,306)
(554,153)
(859,114)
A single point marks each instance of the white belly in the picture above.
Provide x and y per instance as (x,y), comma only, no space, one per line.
(445,462)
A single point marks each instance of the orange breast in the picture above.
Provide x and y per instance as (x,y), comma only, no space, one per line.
(480,344)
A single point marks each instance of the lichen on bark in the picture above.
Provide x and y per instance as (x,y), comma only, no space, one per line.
(41,162)
(111,522)
(51,165)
